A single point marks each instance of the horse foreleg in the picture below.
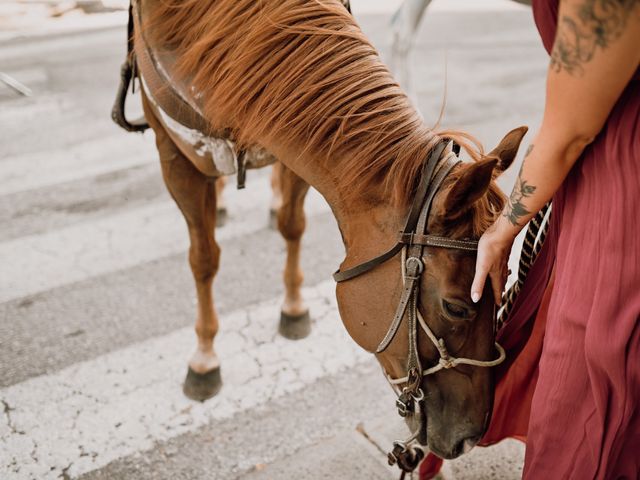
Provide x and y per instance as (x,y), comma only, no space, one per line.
(276,197)
(221,205)
(203,377)
(295,322)
(195,195)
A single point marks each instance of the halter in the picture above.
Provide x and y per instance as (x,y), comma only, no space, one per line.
(411,243)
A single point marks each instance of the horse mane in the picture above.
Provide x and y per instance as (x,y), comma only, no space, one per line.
(301,72)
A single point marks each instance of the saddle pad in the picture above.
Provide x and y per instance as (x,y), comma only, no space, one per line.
(180,112)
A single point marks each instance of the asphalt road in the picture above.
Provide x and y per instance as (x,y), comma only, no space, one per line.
(97,303)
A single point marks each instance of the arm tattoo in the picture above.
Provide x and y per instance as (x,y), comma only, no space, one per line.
(596,24)
(515,209)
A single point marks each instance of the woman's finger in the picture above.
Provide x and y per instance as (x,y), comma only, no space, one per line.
(477,287)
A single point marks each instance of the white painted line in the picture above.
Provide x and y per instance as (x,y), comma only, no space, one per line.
(95,157)
(39,26)
(94,412)
(40,262)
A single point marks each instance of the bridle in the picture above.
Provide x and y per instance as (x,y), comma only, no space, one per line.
(412,241)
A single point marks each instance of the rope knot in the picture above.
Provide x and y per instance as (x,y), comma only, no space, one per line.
(447,362)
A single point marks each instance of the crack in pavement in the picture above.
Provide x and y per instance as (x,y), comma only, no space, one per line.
(7,413)
(88,401)
(64,475)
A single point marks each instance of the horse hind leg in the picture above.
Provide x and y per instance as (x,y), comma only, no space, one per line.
(295,322)
(222,214)
(195,195)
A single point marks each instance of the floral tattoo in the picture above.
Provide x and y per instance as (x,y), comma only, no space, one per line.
(515,208)
(596,24)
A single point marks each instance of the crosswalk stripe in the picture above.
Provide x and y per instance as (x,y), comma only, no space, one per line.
(40,262)
(84,160)
(91,413)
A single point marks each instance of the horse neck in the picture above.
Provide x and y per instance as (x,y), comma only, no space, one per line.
(367,223)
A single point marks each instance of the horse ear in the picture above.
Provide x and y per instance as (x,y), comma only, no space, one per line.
(507,150)
(471,186)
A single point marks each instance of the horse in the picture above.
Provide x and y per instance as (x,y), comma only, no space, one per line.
(235,84)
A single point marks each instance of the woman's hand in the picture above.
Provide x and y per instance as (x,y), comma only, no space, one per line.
(493,257)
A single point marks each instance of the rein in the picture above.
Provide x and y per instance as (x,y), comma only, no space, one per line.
(411,243)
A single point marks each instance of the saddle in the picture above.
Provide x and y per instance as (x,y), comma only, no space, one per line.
(177,103)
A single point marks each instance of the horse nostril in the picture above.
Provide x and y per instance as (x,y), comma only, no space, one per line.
(464,446)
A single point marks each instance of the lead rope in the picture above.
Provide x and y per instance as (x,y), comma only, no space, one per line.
(533,242)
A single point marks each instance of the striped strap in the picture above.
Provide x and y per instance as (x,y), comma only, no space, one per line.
(533,241)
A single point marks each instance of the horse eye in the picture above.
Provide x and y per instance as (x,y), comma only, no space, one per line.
(454,310)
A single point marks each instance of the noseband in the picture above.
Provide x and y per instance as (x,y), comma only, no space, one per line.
(411,243)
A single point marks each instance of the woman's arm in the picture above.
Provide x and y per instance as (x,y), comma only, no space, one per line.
(595,54)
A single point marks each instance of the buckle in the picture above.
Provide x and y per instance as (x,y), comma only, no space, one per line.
(404,403)
(414,261)
(394,455)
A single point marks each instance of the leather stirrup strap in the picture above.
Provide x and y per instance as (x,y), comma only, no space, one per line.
(127,75)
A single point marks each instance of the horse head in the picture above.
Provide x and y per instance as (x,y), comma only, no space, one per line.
(448,404)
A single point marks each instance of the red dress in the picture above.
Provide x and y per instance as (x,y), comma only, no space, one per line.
(571,386)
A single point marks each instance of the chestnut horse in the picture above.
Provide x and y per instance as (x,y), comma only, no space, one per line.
(250,82)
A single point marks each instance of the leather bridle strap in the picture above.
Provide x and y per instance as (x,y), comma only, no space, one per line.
(410,225)
(414,268)
(344,275)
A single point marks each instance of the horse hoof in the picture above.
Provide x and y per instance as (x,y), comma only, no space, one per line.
(221,217)
(273,219)
(295,327)
(202,386)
